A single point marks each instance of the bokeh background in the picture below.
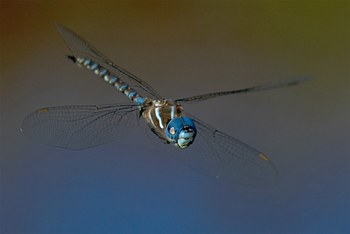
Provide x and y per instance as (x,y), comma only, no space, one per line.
(181,49)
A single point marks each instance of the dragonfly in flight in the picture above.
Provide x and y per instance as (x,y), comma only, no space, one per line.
(185,137)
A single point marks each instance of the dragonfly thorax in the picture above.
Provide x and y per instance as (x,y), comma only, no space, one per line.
(166,120)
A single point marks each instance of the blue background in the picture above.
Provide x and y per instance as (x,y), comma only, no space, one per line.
(181,49)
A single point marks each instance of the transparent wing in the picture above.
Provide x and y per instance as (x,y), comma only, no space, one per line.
(270,85)
(80,127)
(218,155)
(82,49)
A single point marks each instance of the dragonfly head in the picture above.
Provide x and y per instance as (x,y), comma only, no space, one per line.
(181,132)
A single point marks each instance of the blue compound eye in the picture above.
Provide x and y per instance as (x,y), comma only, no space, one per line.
(181,131)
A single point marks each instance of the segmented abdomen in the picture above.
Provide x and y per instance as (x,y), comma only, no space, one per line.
(108,77)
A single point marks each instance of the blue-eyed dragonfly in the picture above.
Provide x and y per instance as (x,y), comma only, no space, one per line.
(185,137)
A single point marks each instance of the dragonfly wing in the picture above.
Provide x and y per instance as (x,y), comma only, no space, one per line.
(80,127)
(271,85)
(82,49)
(219,155)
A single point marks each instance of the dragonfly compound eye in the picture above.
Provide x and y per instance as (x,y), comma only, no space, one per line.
(181,132)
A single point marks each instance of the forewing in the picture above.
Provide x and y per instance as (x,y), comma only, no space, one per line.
(82,49)
(80,127)
(218,155)
(271,85)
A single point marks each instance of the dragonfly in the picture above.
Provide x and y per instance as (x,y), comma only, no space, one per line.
(185,137)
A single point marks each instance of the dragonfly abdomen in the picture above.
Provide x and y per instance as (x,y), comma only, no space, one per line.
(108,77)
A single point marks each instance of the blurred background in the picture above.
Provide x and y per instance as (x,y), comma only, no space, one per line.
(181,49)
